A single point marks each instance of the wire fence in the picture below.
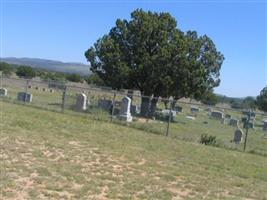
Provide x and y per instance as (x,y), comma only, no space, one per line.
(185,120)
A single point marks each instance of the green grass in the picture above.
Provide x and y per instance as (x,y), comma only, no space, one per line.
(48,155)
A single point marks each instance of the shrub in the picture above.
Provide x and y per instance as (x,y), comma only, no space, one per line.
(208,139)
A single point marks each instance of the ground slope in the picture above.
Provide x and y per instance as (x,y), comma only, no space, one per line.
(48,155)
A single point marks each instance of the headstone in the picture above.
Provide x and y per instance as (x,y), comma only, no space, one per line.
(37,88)
(234,122)
(125,113)
(166,112)
(51,90)
(194,109)
(3,92)
(23,96)
(178,109)
(105,104)
(265,125)
(238,136)
(44,89)
(217,115)
(81,102)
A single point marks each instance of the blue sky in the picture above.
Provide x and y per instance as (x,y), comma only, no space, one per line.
(64,30)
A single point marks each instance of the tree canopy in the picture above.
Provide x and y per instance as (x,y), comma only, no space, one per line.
(262,99)
(151,54)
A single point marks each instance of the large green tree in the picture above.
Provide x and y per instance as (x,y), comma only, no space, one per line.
(151,54)
(262,99)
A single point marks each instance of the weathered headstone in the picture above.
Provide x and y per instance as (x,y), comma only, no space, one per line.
(81,102)
(265,125)
(238,136)
(3,92)
(217,115)
(234,122)
(23,96)
(105,104)
(125,113)
(178,109)
(194,109)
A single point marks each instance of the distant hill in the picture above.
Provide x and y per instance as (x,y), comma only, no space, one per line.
(51,65)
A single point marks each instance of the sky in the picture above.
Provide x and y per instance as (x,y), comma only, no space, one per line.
(64,30)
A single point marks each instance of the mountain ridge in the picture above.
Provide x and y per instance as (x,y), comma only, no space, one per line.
(51,65)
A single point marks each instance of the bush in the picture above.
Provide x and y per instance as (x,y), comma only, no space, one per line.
(26,72)
(74,78)
(208,139)
(6,68)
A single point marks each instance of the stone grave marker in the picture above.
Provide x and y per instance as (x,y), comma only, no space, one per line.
(81,102)
(3,92)
(238,136)
(217,115)
(178,109)
(233,122)
(194,109)
(125,110)
(24,96)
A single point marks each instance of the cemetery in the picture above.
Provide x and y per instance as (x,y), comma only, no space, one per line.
(150,115)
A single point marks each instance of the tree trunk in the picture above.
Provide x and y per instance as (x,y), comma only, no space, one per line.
(145,104)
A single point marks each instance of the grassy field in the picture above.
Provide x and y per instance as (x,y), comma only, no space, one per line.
(48,155)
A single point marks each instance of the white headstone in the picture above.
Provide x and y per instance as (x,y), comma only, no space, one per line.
(238,136)
(3,92)
(81,102)
(125,111)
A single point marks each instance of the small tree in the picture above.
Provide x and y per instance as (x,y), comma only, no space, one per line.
(6,68)
(262,99)
(249,103)
(74,78)
(94,79)
(210,99)
(26,72)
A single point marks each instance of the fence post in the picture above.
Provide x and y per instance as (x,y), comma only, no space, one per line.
(169,119)
(246,136)
(63,98)
(113,106)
